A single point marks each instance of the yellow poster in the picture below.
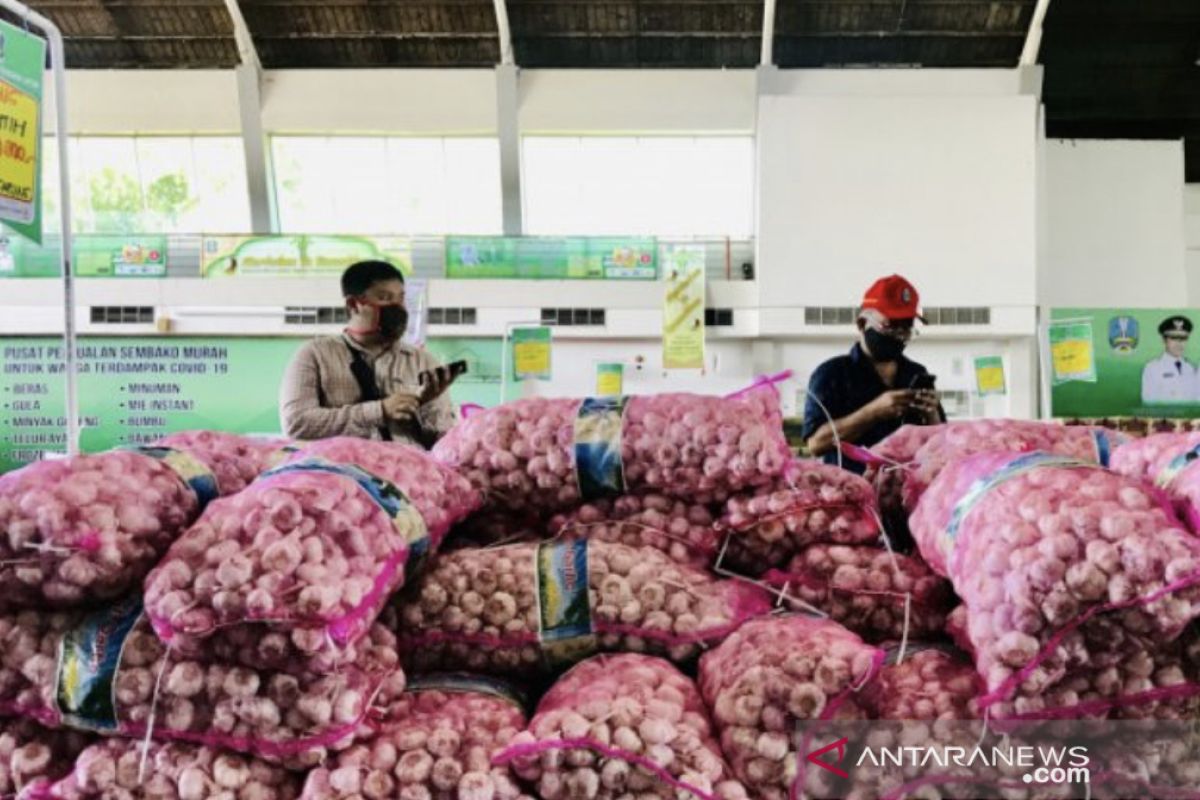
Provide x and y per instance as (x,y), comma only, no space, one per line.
(18,153)
(1072,357)
(531,353)
(610,379)
(683,307)
(989,376)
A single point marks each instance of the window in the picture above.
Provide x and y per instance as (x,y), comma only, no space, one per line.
(150,184)
(358,184)
(657,186)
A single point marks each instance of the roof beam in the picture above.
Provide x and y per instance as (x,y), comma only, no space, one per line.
(1033,41)
(768,34)
(241,34)
(504,32)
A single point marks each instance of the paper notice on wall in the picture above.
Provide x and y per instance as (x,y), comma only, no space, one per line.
(683,307)
(531,353)
(989,376)
(610,379)
(1072,355)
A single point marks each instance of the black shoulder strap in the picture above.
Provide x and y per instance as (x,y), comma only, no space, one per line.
(368,389)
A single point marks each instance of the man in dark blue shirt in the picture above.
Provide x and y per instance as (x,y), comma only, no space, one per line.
(874,389)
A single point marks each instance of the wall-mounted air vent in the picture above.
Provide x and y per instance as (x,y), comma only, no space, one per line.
(122,315)
(316,315)
(936,315)
(960,315)
(572,316)
(718,317)
(452,316)
(829,315)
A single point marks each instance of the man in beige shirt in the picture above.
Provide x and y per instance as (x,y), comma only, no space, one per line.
(366,382)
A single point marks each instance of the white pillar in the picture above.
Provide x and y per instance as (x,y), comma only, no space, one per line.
(508,127)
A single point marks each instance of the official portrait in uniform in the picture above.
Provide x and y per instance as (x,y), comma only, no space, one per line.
(1170,378)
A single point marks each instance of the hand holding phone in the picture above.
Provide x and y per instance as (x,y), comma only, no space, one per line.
(437,381)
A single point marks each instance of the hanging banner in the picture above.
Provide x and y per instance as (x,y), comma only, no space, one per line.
(551,258)
(1143,362)
(610,379)
(298,256)
(22,64)
(96,256)
(416,300)
(531,353)
(683,307)
(989,376)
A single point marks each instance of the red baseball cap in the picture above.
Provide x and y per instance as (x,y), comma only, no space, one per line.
(894,297)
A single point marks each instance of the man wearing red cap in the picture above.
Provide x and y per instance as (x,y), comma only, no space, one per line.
(874,389)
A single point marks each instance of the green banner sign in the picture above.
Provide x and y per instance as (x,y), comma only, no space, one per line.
(1111,362)
(136,389)
(22,65)
(551,258)
(298,256)
(116,256)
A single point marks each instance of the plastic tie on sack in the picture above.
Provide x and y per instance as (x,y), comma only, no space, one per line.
(191,471)
(1015,468)
(599,462)
(89,657)
(565,629)
(468,683)
(1173,470)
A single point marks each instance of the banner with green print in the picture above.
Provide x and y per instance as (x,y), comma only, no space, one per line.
(1115,362)
(136,389)
(298,255)
(551,257)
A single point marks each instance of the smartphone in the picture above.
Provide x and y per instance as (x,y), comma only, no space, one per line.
(455,368)
(923,382)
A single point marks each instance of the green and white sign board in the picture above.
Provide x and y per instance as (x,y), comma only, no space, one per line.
(1115,362)
(551,258)
(96,256)
(136,389)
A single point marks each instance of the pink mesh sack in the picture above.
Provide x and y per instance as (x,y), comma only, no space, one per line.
(436,741)
(106,672)
(878,594)
(622,725)
(528,606)
(811,503)
(1077,583)
(234,460)
(89,528)
(113,770)
(684,531)
(958,440)
(31,755)
(311,550)
(769,676)
(546,455)
(1167,460)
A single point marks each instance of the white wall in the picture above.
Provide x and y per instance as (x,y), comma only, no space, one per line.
(638,101)
(149,101)
(938,188)
(1115,227)
(375,101)
(1191,235)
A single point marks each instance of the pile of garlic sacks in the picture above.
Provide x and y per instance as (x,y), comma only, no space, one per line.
(585,599)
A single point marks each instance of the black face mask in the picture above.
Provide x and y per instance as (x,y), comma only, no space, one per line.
(392,320)
(883,347)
